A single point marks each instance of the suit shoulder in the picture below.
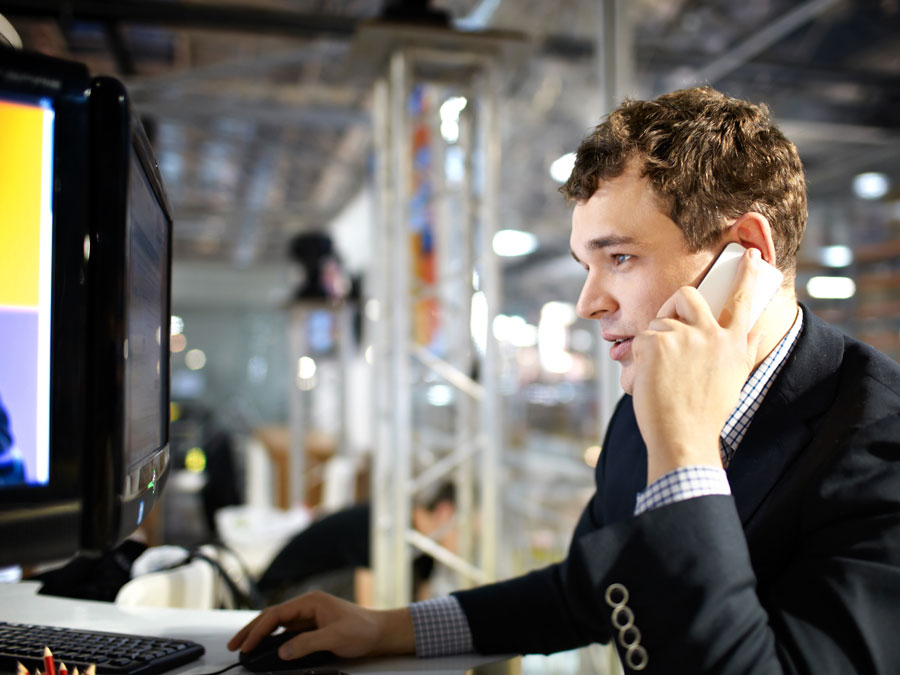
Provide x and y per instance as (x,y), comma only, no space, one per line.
(878,374)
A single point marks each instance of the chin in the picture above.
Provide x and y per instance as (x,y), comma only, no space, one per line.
(627,381)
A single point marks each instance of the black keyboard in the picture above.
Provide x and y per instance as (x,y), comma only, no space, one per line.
(113,653)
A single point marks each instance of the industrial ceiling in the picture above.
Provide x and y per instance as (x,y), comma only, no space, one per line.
(261,111)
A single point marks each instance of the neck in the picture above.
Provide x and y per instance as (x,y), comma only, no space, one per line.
(775,322)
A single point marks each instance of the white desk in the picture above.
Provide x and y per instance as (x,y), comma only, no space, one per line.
(20,603)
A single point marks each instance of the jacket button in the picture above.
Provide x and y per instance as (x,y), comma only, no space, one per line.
(629,637)
(622,617)
(616,595)
(636,657)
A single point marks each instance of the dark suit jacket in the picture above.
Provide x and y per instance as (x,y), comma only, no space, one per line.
(797,572)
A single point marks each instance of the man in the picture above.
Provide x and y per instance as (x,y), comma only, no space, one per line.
(747,512)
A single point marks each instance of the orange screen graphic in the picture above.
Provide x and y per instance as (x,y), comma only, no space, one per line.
(21,137)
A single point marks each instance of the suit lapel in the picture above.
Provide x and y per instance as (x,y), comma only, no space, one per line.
(788,416)
(622,470)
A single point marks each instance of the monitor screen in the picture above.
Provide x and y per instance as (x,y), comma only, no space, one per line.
(85,268)
(26,200)
(147,362)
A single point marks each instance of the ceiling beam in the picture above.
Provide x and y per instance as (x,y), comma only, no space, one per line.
(238,67)
(263,112)
(801,132)
(241,19)
(760,41)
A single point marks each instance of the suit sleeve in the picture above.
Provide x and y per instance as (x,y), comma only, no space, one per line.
(538,613)
(677,592)
(685,575)
(545,611)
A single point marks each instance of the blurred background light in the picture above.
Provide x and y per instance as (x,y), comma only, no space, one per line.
(836,256)
(553,328)
(195,359)
(831,288)
(177,325)
(871,185)
(450,110)
(561,168)
(306,367)
(439,395)
(177,343)
(514,243)
(478,323)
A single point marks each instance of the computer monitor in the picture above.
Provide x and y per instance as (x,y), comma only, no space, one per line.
(85,269)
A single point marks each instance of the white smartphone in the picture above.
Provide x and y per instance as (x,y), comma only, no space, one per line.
(718,283)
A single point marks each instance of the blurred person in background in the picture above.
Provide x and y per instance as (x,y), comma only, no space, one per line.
(12,468)
(333,553)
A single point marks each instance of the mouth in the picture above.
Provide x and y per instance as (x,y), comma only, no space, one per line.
(620,346)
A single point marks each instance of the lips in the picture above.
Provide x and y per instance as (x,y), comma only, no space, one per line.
(620,347)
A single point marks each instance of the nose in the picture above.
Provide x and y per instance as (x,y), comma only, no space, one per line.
(595,300)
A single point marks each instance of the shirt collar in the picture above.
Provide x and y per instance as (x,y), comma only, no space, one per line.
(755,390)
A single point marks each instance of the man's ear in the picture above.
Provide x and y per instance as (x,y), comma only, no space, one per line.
(752,230)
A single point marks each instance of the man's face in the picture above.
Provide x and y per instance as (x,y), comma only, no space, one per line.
(636,258)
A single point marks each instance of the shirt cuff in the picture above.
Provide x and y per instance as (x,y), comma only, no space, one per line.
(685,482)
(441,628)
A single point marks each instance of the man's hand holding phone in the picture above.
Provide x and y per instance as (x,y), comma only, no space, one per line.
(690,367)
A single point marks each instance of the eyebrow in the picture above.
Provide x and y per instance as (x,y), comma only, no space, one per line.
(605,242)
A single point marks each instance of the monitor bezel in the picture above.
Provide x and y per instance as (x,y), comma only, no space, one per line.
(124,495)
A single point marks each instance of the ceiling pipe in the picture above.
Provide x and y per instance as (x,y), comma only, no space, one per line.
(759,42)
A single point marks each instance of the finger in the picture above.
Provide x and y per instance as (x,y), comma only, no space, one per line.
(687,305)
(238,639)
(303,644)
(256,630)
(294,614)
(664,325)
(736,312)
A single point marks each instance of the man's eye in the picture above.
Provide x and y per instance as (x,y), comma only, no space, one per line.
(620,258)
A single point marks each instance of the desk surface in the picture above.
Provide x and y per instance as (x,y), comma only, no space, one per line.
(20,603)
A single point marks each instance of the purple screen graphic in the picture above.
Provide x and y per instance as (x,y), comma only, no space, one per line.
(18,380)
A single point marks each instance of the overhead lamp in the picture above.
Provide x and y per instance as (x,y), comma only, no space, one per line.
(836,256)
(561,168)
(513,243)
(831,288)
(871,185)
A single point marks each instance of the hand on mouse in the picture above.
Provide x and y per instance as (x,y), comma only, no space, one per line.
(330,624)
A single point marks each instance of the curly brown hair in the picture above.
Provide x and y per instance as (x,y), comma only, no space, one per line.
(709,157)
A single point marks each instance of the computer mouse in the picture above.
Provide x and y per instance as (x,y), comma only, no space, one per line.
(264,658)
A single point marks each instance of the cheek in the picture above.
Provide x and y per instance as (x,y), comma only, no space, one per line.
(664,286)
(650,297)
